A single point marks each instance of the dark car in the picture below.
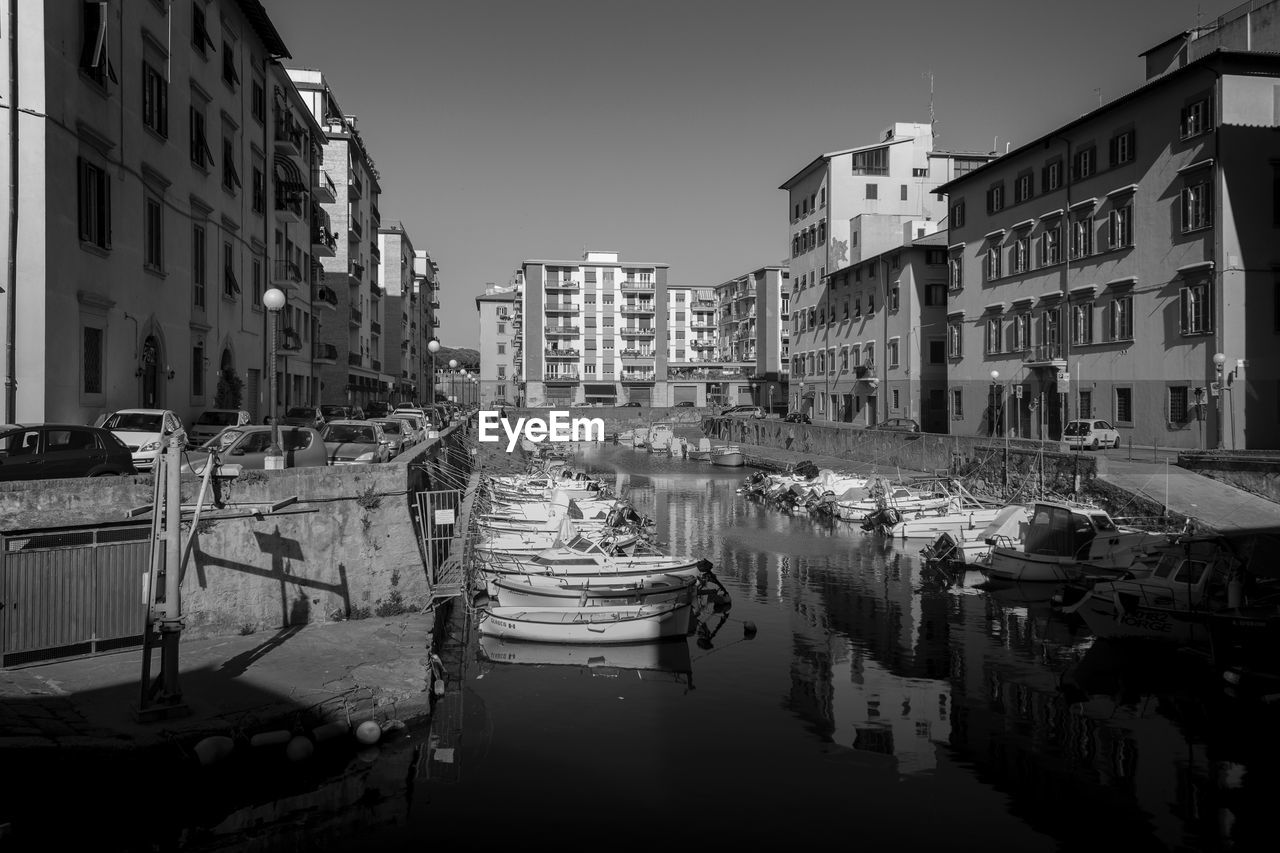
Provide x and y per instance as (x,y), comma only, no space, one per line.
(897,425)
(341,413)
(377,410)
(683,404)
(304,416)
(52,451)
(797,418)
(632,405)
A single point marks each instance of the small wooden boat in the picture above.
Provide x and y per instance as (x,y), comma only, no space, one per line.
(538,591)
(639,623)
(728,456)
(703,453)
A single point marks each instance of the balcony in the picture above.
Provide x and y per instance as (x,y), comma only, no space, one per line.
(639,376)
(637,332)
(355,186)
(377,365)
(563,330)
(375,290)
(865,371)
(561,353)
(723,373)
(561,307)
(435,322)
(375,327)
(701,344)
(374,251)
(704,303)
(1045,355)
(434,303)
(355,270)
(354,359)
(640,308)
(324,354)
(375,214)
(704,324)
(289,136)
(355,231)
(288,204)
(357,316)
(561,284)
(290,341)
(561,377)
(324,243)
(322,188)
(286,273)
(324,297)
(634,285)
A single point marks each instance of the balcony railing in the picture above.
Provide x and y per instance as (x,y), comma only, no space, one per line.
(562,306)
(288,203)
(375,214)
(700,344)
(355,270)
(561,353)
(375,327)
(642,308)
(374,251)
(324,352)
(357,316)
(635,284)
(289,134)
(356,229)
(375,290)
(561,377)
(636,332)
(322,295)
(1044,354)
(637,353)
(639,376)
(354,359)
(286,271)
(562,284)
(563,330)
(710,374)
(322,187)
(355,186)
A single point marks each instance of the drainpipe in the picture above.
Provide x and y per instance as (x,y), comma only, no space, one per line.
(11,319)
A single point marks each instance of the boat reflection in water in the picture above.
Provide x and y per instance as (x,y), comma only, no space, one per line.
(643,660)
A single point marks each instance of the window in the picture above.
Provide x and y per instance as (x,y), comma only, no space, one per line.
(1050,247)
(155,100)
(844,358)
(935,295)
(822,232)
(1082,323)
(895,398)
(1178,404)
(94,206)
(1022,332)
(993,335)
(957,404)
(822,361)
(995,198)
(199,33)
(92,360)
(873,162)
(1122,318)
(935,257)
(258,99)
(1084,163)
(1196,210)
(873,191)
(902,190)
(1022,254)
(1195,119)
(197,369)
(502,349)
(1022,188)
(501,390)
(893,298)
(94,60)
(857,306)
(259,191)
(892,352)
(230,177)
(502,371)
(153,233)
(198,280)
(1197,311)
(955,274)
(230,287)
(1082,237)
(229,75)
(1051,179)
(1122,148)
(993,263)
(201,155)
(257,281)
(871,303)
(845,307)
(957,215)
(954,340)
(1085,402)
(1124,406)
(1120,226)
(937,351)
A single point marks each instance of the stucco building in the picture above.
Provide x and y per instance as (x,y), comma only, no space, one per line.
(753,323)
(499,379)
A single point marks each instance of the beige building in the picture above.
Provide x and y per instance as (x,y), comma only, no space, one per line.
(753,313)
(427,284)
(498,376)
(1123,267)
(407,313)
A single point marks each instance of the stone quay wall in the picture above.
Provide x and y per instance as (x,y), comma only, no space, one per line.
(1256,471)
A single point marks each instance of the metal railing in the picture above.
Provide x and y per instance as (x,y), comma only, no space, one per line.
(324,352)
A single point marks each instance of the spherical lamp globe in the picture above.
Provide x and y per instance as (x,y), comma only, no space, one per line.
(274,299)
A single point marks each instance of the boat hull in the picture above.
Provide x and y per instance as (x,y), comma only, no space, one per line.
(534,591)
(588,625)
(1020,567)
(733,459)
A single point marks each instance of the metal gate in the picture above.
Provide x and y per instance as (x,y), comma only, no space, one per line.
(71,593)
(438,517)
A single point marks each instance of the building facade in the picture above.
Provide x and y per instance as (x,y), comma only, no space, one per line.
(693,367)
(752,317)
(499,379)
(593,331)
(847,205)
(1103,270)
(427,284)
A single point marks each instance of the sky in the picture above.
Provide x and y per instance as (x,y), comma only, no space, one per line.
(506,130)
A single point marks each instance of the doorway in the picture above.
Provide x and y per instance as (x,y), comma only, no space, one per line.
(151,373)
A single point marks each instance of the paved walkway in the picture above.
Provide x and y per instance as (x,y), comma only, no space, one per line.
(358,670)
(1213,503)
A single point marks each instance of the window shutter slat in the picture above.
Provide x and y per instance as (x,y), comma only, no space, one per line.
(105,179)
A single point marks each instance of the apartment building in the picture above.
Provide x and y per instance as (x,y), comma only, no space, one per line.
(882,325)
(1123,267)
(499,379)
(856,203)
(401,367)
(144,208)
(593,331)
(692,365)
(354,328)
(753,337)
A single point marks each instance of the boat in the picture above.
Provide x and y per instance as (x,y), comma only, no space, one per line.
(973,547)
(728,456)
(537,591)
(640,438)
(637,623)
(670,656)
(703,453)
(1063,541)
(660,436)
(859,504)
(530,544)
(589,563)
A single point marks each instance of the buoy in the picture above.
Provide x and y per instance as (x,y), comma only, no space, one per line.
(328,731)
(276,738)
(748,629)
(214,748)
(299,749)
(368,732)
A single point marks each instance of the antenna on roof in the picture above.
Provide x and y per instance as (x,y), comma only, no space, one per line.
(932,124)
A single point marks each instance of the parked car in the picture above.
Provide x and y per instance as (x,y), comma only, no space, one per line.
(354,442)
(500,404)
(143,431)
(213,421)
(632,405)
(397,434)
(308,416)
(53,451)
(414,425)
(797,418)
(377,410)
(247,445)
(683,404)
(897,425)
(340,412)
(743,412)
(1091,433)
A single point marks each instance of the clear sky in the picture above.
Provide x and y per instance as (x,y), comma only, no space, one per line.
(515,129)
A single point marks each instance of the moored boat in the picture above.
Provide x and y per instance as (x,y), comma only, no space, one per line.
(729,456)
(536,591)
(597,625)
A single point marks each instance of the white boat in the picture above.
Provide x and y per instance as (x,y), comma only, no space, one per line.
(638,623)
(703,453)
(588,563)
(530,544)
(728,456)
(660,436)
(973,547)
(1062,541)
(859,504)
(930,524)
(640,438)
(536,591)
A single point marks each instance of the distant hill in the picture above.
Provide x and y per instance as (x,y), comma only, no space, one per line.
(467,358)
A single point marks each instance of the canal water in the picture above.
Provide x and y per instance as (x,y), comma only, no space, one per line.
(846,695)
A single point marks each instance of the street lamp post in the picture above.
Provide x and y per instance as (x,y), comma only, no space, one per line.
(995,400)
(453,380)
(274,300)
(433,347)
(1219,359)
